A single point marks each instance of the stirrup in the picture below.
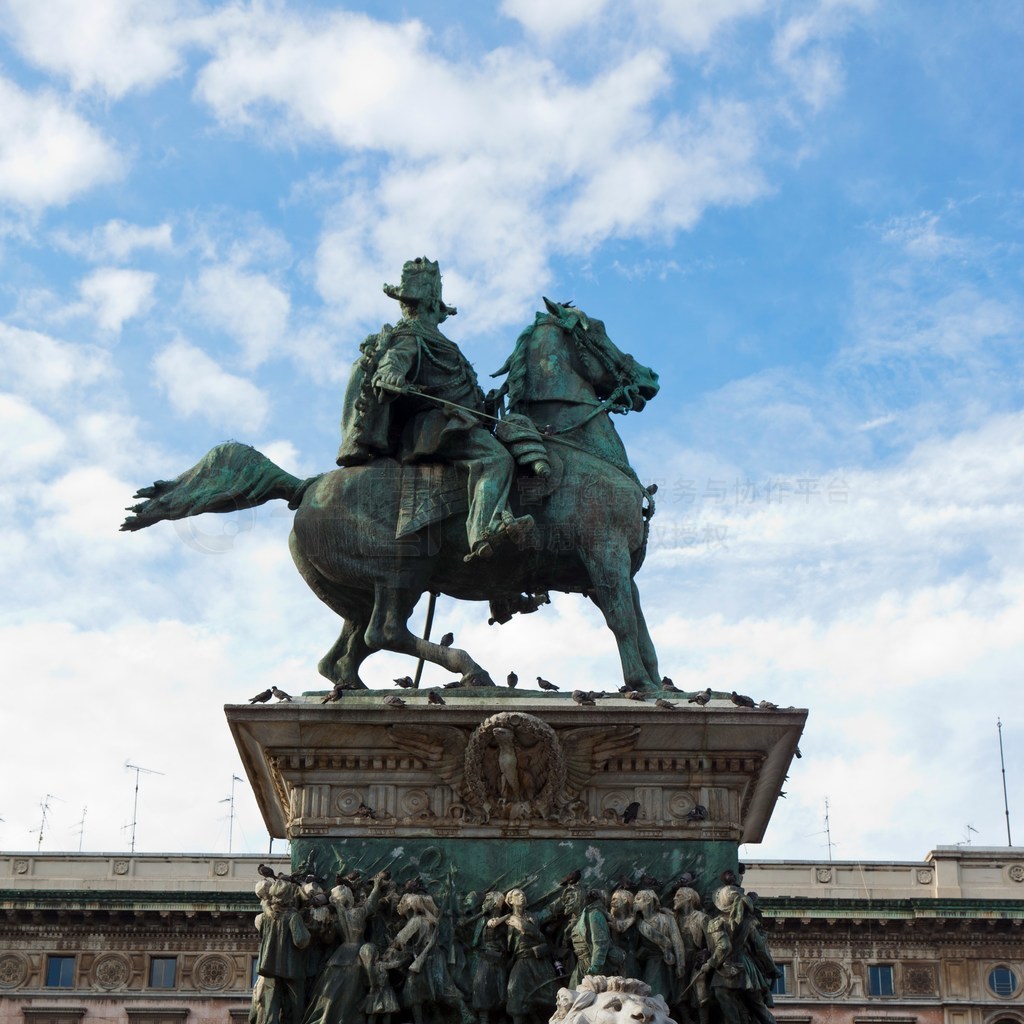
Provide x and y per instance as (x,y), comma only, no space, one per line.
(483,550)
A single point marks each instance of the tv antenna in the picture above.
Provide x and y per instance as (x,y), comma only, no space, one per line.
(967,835)
(231,811)
(828,833)
(1002,765)
(135,806)
(44,819)
(81,829)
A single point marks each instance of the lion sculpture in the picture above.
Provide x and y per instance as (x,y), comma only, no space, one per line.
(601,1000)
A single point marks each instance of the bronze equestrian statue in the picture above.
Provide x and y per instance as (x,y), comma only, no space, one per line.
(499,498)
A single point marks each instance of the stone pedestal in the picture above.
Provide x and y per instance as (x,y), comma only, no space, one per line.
(507,788)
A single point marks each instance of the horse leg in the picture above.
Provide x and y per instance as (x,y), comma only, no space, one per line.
(388,630)
(341,663)
(648,654)
(612,589)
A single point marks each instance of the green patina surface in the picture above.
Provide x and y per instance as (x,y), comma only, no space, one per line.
(536,864)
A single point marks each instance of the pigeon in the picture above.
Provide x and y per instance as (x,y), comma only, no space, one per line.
(625,689)
(701,698)
(767,705)
(335,694)
(455,684)
(667,684)
(697,813)
(741,701)
(631,813)
(261,698)
(447,640)
(280,694)
(265,871)
(365,811)
(583,699)
(665,703)
(406,682)
(634,695)
(512,680)
(394,700)
(545,685)
(435,698)
(572,878)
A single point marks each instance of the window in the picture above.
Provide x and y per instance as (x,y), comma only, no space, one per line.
(880,980)
(60,971)
(1002,981)
(780,986)
(162,970)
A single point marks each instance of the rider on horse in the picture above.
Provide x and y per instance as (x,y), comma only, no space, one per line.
(413,395)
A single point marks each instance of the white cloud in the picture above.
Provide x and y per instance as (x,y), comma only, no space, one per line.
(112,45)
(693,24)
(48,154)
(43,367)
(197,386)
(85,506)
(523,160)
(246,305)
(113,295)
(546,19)
(117,240)
(28,438)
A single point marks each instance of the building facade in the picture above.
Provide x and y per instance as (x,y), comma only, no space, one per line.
(939,941)
(145,939)
(131,939)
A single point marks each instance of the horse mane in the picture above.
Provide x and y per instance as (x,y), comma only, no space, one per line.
(515,366)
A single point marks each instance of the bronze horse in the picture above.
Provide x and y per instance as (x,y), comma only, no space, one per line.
(566,375)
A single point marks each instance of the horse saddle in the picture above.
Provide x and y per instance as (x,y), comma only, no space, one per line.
(430,492)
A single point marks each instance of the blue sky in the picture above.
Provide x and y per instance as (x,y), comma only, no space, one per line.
(805,216)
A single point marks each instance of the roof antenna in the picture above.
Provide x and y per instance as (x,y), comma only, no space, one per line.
(231,810)
(135,806)
(828,832)
(1002,764)
(81,828)
(45,808)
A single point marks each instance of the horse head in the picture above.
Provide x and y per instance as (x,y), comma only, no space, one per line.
(566,355)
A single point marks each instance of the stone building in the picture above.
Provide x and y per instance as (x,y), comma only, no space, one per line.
(934,942)
(146,939)
(136,939)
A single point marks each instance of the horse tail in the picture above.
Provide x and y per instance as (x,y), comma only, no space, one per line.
(227,478)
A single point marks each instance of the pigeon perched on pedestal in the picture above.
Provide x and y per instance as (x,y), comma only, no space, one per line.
(545,685)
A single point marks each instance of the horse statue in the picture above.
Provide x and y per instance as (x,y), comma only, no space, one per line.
(370,540)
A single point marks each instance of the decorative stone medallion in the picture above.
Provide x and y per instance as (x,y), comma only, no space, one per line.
(111,971)
(120,867)
(21,866)
(924,876)
(221,868)
(13,970)
(919,980)
(829,978)
(823,874)
(1016,873)
(213,972)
